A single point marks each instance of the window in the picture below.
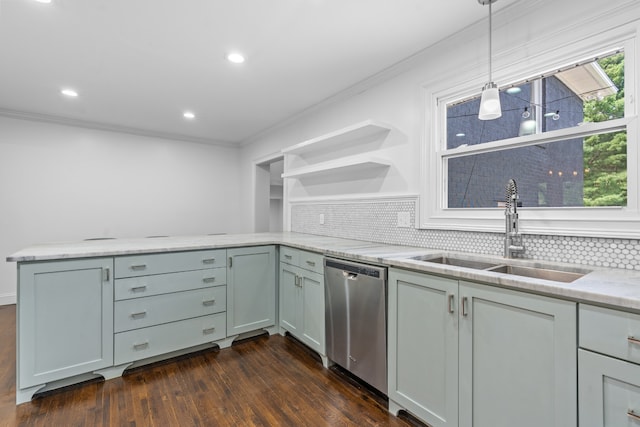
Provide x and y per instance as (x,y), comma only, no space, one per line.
(588,170)
(567,136)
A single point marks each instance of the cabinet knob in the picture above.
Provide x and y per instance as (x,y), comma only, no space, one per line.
(141,346)
(209,279)
(139,288)
(138,315)
(209,261)
(209,302)
(209,330)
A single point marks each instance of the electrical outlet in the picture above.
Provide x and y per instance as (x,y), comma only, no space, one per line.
(404,219)
(321,219)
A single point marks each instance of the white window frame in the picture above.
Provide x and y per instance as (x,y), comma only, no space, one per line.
(620,222)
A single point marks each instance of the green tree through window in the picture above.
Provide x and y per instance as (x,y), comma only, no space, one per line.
(605,156)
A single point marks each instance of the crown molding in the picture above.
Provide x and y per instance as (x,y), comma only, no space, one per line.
(67,121)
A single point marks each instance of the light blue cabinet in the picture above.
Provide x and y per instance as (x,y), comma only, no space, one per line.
(466,354)
(302,298)
(517,359)
(609,367)
(290,307)
(64,321)
(251,289)
(423,346)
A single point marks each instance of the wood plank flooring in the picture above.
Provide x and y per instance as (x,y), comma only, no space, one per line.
(265,381)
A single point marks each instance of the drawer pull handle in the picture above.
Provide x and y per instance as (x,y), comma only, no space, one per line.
(311,263)
(288,256)
(209,279)
(138,267)
(209,261)
(209,302)
(465,313)
(633,340)
(452,298)
(139,315)
(209,330)
(633,415)
(141,346)
(139,288)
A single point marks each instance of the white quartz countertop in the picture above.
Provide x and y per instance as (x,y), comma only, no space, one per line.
(612,287)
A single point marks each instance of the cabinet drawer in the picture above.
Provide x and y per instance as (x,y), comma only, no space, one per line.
(144,286)
(609,391)
(142,265)
(289,255)
(149,311)
(147,342)
(311,261)
(611,332)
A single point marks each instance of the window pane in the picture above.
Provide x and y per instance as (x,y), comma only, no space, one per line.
(591,92)
(588,171)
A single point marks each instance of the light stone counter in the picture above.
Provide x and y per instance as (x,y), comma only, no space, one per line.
(611,287)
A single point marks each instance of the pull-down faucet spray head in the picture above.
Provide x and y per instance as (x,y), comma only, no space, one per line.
(512,239)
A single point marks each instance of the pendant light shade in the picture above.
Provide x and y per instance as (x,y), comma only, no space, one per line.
(490,102)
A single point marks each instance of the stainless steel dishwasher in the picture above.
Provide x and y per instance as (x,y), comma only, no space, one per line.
(356,319)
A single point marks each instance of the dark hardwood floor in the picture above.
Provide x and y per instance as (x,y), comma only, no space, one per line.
(265,381)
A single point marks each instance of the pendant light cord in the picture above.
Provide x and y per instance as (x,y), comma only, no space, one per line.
(490,40)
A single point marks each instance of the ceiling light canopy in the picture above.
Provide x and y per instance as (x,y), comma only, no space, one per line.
(236,58)
(490,102)
(71,93)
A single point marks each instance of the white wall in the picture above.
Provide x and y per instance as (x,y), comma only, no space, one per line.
(62,183)
(397,96)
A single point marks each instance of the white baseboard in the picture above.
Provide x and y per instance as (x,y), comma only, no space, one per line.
(7,299)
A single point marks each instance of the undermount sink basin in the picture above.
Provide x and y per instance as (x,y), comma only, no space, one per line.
(553,274)
(458,262)
(538,273)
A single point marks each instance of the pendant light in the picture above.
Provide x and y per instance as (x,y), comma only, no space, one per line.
(490,101)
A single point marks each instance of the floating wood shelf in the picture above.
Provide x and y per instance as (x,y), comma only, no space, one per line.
(350,133)
(351,164)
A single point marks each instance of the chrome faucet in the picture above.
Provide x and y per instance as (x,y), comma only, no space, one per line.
(513,239)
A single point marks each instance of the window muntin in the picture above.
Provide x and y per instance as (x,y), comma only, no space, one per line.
(580,169)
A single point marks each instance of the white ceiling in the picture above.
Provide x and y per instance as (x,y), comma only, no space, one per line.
(138,64)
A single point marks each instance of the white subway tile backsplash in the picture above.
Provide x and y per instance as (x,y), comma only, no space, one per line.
(377,221)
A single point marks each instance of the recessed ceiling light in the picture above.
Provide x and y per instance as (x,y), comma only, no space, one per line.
(513,90)
(460,135)
(69,92)
(43,1)
(235,57)
(188,115)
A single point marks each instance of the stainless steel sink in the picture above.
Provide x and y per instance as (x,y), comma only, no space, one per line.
(553,274)
(538,273)
(458,262)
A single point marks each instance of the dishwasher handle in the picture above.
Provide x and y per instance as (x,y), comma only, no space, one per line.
(349,276)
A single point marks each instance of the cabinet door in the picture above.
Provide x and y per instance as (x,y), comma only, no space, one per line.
(251,289)
(517,359)
(609,391)
(289,298)
(423,346)
(312,307)
(65,319)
